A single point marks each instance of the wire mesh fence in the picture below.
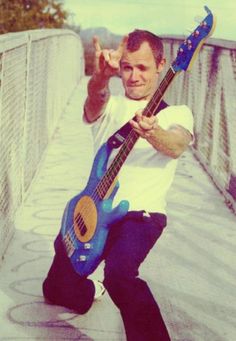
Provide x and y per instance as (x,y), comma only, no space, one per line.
(210,91)
(38,73)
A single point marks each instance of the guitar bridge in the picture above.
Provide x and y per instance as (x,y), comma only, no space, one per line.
(82,258)
(87,246)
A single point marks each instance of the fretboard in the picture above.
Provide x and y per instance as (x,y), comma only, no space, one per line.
(150,109)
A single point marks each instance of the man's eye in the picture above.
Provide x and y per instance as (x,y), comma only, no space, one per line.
(142,68)
(126,68)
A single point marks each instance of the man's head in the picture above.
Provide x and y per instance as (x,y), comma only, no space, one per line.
(141,63)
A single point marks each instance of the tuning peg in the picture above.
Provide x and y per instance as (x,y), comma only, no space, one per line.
(196,33)
(180,50)
(188,43)
(201,22)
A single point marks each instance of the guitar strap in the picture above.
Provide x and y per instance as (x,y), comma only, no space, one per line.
(117,139)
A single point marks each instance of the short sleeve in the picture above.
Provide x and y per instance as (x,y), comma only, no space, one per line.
(176,115)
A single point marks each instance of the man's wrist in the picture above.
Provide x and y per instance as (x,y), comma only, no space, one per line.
(101,78)
(98,82)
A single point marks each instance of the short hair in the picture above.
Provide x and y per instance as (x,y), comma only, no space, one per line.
(137,37)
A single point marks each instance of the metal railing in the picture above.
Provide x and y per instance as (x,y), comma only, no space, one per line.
(210,91)
(38,73)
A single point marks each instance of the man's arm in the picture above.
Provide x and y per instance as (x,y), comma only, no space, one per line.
(172,142)
(98,96)
(107,63)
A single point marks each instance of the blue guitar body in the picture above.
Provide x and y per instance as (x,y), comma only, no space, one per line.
(87,216)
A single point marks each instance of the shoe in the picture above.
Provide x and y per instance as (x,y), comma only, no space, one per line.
(99,289)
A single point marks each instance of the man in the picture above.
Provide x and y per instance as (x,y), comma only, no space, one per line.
(144,181)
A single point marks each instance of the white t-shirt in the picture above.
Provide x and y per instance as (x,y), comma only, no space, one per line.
(147,174)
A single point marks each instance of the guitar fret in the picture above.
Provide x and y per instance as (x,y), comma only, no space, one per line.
(99,192)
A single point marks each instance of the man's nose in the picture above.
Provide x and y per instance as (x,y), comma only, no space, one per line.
(134,75)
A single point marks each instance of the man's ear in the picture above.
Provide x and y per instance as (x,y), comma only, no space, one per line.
(161,65)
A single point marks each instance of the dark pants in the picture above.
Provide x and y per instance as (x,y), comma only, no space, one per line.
(128,244)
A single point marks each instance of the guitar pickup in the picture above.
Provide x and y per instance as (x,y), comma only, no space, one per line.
(87,246)
(82,258)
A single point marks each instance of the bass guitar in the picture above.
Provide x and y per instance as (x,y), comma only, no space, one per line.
(87,216)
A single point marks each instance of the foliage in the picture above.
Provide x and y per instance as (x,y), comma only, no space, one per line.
(22,15)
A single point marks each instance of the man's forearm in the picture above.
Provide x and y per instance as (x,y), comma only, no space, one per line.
(171,142)
(98,96)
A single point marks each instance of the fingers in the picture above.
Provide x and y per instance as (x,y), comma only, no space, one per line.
(145,123)
(144,126)
(108,60)
(107,55)
(96,44)
(119,50)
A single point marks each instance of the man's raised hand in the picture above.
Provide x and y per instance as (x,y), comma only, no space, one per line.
(107,61)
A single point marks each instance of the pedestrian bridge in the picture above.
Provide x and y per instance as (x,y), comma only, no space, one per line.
(46,154)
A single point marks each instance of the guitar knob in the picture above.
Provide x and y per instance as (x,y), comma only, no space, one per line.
(87,246)
(196,33)
(82,258)
(180,52)
(204,24)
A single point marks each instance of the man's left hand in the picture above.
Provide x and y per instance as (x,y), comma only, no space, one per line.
(144,126)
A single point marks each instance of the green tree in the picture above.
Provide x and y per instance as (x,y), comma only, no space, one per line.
(22,15)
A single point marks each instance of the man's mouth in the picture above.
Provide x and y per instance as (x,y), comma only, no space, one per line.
(134,85)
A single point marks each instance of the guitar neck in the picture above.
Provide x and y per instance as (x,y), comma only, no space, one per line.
(151,108)
(154,103)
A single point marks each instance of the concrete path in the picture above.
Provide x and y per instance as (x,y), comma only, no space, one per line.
(191,270)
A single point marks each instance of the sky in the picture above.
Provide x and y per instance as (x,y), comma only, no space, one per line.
(158,16)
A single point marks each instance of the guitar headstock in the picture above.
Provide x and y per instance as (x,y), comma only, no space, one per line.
(190,47)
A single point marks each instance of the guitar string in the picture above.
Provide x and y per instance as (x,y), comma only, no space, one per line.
(96,195)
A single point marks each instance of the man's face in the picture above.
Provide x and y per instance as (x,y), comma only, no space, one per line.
(139,73)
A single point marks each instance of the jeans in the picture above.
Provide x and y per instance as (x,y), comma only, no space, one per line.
(129,241)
